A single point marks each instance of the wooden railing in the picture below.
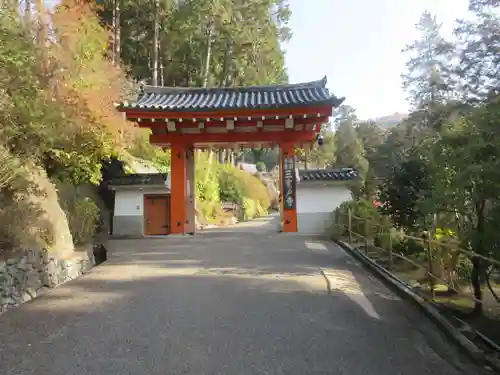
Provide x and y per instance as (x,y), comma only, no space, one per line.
(439,270)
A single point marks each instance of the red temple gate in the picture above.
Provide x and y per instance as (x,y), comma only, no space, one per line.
(185,119)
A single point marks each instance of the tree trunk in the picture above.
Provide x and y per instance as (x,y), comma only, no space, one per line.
(162,72)
(476,286)
(208,56)
(156,32)
(27,13)
(210,156)
(477,267)
(116,32)
(42,35)
(221,155)
(226,69)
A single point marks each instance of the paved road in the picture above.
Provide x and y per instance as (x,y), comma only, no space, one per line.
(224,303)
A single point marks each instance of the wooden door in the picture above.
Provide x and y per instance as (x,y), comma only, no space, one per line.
(156,214)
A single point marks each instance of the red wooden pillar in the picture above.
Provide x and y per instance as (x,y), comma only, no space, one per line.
(190,227)
(288,187)
(178,188)
(280,163)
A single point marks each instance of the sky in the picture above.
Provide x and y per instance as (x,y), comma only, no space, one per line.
(357,44)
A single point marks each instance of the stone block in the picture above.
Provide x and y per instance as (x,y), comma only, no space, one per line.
(50,274)
(25,277)
(28,295)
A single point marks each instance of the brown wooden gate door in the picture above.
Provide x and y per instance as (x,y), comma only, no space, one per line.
(156,214)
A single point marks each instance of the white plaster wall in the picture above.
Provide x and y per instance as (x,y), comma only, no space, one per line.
(129,203)
(315,205)
(321,198)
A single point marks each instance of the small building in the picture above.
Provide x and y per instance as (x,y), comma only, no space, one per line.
(142,205)
(319,193)
(247,167)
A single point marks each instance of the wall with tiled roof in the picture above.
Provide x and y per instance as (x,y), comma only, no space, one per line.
(340,174)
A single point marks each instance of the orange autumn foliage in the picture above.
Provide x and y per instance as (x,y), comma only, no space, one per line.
(81,77)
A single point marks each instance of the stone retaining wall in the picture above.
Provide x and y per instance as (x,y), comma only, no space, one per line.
(32,273)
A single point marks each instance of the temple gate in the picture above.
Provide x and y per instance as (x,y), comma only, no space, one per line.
(184,119)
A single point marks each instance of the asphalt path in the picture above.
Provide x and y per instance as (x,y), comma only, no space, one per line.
(226,302)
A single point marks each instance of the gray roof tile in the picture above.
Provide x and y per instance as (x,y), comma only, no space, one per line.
(342,174)
(252,97)
(140,179)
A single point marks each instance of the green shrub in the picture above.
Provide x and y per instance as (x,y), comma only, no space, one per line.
(83,217)
(22,223)
(231,188)
(238,186)
(207,182)
(209,209)
(361,211)
(250,208)
(261,211)
(464,269)
(395,237)
(224,183)
(413,247)
(253,188)
(261,166)
(400,244)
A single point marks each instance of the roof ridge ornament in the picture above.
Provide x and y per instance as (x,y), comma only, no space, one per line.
(319,84)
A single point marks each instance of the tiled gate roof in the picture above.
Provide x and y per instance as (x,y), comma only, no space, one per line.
(253,97)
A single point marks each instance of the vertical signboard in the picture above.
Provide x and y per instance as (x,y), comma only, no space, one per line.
(289,182)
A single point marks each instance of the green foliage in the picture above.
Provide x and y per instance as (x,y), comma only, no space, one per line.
(239,186)
(141,147)
(11,169)
(74,167)
(463,269)
(403,191)
(244,40)
(80,204)
(393,238)
(362,210)
(441,167)
(207,182)
(231,186)
(83,216)
(261,166)
(224,183)
(58,88)
(428,66)
(319,156)
(349,150)
(21,221)
(253,208)
(255,155)
(56,111)
(411,246)
(209,210)
(29,122)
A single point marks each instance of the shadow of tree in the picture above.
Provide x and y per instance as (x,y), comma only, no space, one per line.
(196,306)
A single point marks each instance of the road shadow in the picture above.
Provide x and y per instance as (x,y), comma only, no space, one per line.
(239,304)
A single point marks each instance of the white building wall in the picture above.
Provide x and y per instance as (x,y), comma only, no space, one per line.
(129,203)
(128,219)
(315,205)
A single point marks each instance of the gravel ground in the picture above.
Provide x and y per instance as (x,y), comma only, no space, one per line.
(224,303)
